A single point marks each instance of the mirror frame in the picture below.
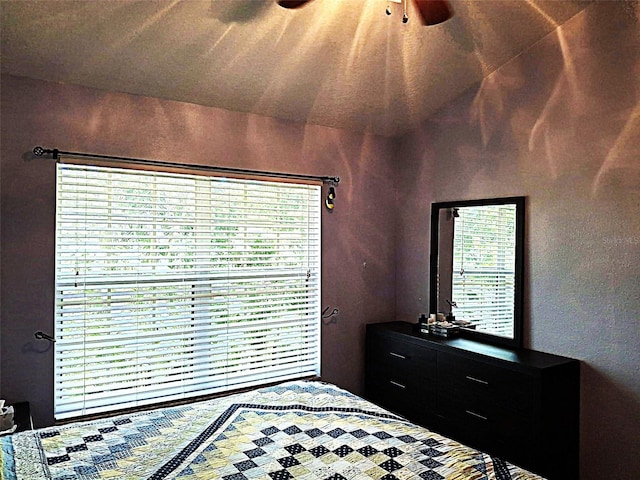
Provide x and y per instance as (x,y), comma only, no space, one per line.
(516,341)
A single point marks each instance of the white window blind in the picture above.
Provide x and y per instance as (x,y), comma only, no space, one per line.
(170,286)
(483,285)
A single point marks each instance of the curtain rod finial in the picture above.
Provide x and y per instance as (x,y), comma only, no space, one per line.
(39,152)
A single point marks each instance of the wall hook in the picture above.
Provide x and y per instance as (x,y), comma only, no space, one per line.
(43,336)
(333,313)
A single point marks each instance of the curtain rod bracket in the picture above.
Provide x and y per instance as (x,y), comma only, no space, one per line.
(55,154)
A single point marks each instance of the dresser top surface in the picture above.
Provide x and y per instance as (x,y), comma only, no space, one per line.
(520,356)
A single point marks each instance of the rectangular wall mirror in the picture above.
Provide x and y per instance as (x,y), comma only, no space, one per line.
(476,272)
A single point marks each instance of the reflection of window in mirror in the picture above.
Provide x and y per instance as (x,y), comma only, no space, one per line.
(483,267)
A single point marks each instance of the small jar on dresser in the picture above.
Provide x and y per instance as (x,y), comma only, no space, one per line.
(518,404)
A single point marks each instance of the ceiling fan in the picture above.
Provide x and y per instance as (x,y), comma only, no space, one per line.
(431,12)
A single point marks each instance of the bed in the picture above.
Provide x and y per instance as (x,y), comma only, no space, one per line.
(300,429)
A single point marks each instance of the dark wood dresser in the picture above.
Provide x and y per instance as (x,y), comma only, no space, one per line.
(518,404)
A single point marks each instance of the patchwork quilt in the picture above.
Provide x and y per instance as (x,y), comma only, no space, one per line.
(296,430)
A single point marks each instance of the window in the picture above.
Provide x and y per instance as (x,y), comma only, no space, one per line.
(483,283)
(171,286)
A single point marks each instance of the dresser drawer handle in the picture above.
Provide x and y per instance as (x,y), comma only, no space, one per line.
(477,380)
(477,415)
(394,354)
(397,384)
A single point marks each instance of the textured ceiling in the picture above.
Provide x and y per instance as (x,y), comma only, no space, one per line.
(338,63)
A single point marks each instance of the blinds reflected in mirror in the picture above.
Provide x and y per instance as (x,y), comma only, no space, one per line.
(483,275)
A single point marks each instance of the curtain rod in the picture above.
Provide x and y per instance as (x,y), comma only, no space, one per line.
(55,155)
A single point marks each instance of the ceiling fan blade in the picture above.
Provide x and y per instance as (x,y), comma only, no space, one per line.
(292,3)
(434,11)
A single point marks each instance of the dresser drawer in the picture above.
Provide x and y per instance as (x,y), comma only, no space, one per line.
(414,401)
(404,361)
(503,434)
(479,413)
(492,389)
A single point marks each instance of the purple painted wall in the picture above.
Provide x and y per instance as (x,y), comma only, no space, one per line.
(561,125)
(358,241)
